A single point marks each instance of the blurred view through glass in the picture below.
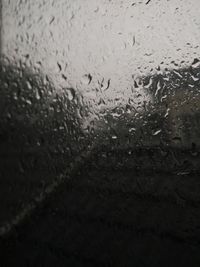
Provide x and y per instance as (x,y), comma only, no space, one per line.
(119,80)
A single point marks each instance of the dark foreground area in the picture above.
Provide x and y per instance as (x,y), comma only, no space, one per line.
(134,201)
(111,216)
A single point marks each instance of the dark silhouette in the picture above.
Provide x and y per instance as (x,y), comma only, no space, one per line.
(39,136)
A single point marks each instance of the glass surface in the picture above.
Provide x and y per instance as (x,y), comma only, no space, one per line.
(118,79)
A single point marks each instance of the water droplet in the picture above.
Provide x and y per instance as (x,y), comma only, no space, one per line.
(64,77)
(195,79)
(105,84)
(71,93)
(29,85)
(86,79)
(59,67)
(51,20)
(157,132)
(37,95)
(158,87)
(149,84)
(133,43)
(196,63)
(132,130)
(178,74)
(28,101)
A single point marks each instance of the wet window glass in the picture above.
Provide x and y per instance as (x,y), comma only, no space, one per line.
(109,84)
